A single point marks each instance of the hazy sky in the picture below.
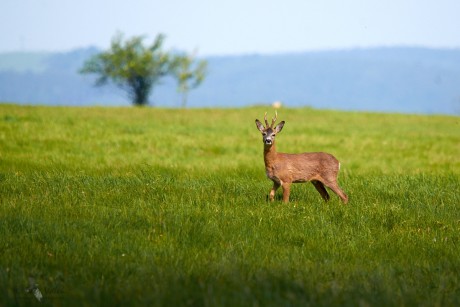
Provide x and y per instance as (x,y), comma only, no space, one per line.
(216,27)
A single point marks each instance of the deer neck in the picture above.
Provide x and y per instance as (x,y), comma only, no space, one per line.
(270,155)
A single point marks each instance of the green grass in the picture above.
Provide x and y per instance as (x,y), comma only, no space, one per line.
(141,206)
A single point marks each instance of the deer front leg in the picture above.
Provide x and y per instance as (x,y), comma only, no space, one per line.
(276,185)
(286,191)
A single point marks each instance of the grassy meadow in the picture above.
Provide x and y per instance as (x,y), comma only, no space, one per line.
(167,207)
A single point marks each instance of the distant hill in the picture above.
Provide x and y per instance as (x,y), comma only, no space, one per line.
(410,80)
(23,61)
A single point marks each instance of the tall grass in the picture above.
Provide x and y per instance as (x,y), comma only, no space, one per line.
(121,206)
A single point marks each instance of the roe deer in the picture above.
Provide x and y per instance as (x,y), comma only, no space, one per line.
(284,169)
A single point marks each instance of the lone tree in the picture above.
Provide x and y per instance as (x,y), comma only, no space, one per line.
(133,67)
(188,73)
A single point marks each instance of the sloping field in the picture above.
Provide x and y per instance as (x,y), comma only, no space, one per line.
(166,207)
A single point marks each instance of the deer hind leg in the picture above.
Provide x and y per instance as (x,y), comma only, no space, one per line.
(337,190)
(276,185)
(321,189)
(286,191)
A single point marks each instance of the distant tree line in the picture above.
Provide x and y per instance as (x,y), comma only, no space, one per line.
(137,69)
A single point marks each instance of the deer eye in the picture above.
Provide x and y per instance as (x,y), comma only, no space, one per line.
(264,133)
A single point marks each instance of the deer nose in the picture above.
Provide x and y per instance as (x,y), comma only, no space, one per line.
(268,141)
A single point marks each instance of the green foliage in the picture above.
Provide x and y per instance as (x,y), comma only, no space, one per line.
(189,74)
(121,206)
(137,68)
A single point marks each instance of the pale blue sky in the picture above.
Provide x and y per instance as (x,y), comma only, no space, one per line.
(230,27)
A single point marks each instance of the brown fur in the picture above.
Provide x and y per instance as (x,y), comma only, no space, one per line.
(284,169)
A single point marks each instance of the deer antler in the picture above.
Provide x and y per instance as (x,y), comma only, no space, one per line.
(266,121)
(274,119)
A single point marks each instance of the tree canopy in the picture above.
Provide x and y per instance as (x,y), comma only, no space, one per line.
(189,74)
(136,68)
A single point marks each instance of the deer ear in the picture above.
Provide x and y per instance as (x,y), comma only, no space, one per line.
(279,127)
(260,126)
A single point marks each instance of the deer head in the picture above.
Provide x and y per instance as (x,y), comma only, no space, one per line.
(269,132)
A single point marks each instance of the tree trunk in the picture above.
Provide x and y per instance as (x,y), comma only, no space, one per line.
(140,90)
(184,100)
